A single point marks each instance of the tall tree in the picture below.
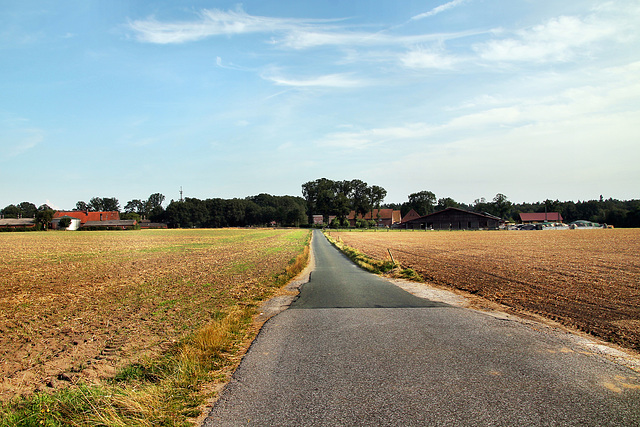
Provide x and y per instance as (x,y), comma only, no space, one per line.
(376,196)
(360,197)
(422,202)
(82,206)
(154,201)
(501,205)
(134,206)
(43,216)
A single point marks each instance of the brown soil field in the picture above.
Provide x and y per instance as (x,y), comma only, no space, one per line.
(80,305)
(584,279)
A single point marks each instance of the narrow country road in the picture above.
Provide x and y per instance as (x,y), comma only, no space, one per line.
(355,350)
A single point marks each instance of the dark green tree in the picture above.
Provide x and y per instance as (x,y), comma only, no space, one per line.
(422,202)
(501,205)
(44,215)
(11,211)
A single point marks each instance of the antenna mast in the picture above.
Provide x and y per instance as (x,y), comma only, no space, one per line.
(181,199)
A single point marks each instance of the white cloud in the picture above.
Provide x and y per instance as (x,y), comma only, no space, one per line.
(607,102)
(438,9)
(558,39)
(423,58)
(343,80)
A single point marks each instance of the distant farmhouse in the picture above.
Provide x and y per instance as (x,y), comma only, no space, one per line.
(453,219)
(94,220)
(383,217)
(15,223)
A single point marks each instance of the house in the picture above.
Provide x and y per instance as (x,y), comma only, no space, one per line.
(319,219)
(17,223)
(86,216)
(74,225)
(533,218)
(412,214)
(116,224)
(383,217)
(453,219)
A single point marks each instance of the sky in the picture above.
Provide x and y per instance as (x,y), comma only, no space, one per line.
(534,99)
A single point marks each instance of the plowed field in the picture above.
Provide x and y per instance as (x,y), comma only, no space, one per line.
(587,279)
(78,305)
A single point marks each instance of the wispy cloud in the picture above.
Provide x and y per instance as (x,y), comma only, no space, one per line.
(439,9)
(19,141)
(213,23)
(305,39)
(341,80)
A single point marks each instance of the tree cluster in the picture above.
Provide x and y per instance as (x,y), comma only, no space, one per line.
(260,210)
(99,204)
(327,197)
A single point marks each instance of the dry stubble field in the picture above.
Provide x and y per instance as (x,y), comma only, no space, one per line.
(79,305)
(587,279)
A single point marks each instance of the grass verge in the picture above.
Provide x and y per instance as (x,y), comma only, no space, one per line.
(376,266)
(167,390)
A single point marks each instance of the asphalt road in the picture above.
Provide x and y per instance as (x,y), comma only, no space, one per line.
(354,350)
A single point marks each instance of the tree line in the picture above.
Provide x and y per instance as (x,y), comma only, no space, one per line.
(620,213)
(327,198)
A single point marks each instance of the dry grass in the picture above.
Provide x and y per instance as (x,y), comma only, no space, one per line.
(139,324)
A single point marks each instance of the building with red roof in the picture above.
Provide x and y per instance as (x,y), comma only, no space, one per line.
(85,216)
(383,217)
(532,218)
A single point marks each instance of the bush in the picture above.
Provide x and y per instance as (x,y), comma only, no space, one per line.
(64,223)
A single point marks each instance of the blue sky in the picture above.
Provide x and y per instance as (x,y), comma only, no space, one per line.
(535,99)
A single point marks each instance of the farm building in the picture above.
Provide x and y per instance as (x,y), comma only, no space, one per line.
(145,224)
(319,219)
(16,223)
(85,216)
(119,224)
(75,223)
(453,219)
(533,218)
(383,217)
(412,214)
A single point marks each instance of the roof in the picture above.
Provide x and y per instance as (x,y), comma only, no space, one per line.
(384,214)
(540,217)
(112,223)
(17,222)
(447,210)
(412,214)
(85,216)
